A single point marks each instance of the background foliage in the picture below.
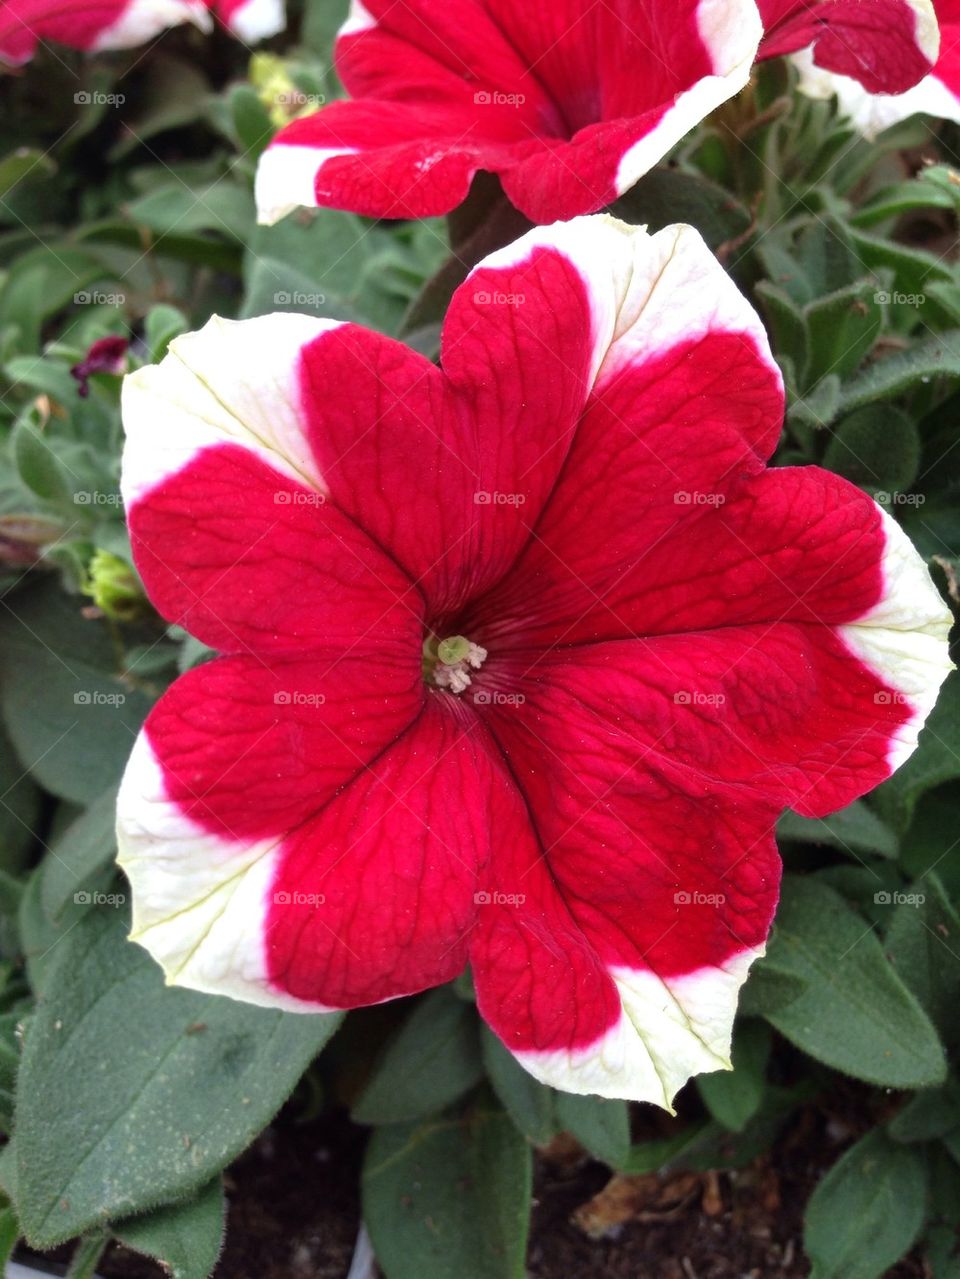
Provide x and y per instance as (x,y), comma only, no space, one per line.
(126,210)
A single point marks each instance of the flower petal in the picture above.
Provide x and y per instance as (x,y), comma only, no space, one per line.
(937,94)
(570,103)
(464,458)
(251,20)
(886,45)
(618,974)
(370,898)
(420,164)
(794,543)
(297,730)
(229,518)
(90,24)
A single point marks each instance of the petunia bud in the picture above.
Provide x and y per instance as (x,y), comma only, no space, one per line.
(106,355)
(114,587)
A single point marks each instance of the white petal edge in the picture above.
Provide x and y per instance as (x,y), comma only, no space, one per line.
(647,292)
(233,381)
(926,28)
(732,31)
(286,179)
(199,900)
(141,20)
(872,113)
(903,638)
(286,175)
(669,1031)
(258,20)
(358,20)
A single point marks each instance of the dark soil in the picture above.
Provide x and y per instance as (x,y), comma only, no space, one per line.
(294,1208)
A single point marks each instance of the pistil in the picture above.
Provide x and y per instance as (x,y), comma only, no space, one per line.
(447,663)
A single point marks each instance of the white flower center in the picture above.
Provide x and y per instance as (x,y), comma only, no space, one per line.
(456,657)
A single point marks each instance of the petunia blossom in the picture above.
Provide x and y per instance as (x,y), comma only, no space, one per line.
(90,25)
(521,656)
(568,101)
(937,94)
(250,20)
(886,46)
(96,25)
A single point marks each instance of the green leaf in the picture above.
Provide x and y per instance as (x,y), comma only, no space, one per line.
(787,323)
(26,164)
(855,1013)
(224,207)
(934,357)
(39,467)
(77,858)
(449,1198)
(867,1211)
(429,1063)
(923,944)
(937,759)
(529,1103)
(665,196)
(854,829)
(69,714)
(162,325)
(337,266)
(877,447)
(842,328)
(943,1227)
(733,1097)
(251,120)
(768,990)
(9,1234)
(602,1126)
(928,1114)
(185,1237)
(900,198)
(132,1094)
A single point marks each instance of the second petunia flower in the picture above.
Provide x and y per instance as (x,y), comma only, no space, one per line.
(568,101)
(522,656)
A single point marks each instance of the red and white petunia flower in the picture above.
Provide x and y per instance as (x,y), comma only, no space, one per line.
(568,101)
(90,25)
(886,46)
(522,656)
(937,94)
(97,25)
(250,20)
